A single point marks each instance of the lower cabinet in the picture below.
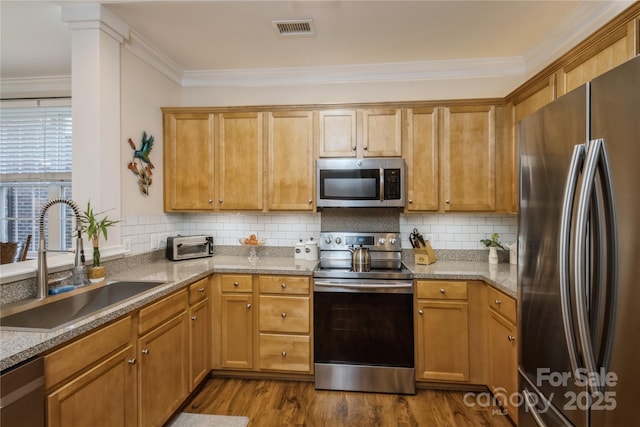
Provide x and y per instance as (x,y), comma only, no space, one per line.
(199,333)
(93,381)
(503,350)
(442,320)
(233,322)
(136,371)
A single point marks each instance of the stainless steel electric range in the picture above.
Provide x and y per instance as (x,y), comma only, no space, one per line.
(363,321)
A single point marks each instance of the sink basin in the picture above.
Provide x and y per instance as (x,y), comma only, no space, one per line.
(62,312)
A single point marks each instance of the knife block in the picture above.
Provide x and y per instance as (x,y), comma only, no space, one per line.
(424,255)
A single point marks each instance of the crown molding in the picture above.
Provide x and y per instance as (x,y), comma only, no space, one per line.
(154,57)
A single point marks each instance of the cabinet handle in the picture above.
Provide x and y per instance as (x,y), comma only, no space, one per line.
(284,354)
(194,317)
(410,201)
(283,315)
(145,351)
(236,284)
(511,338)
(219,200)
(283,285)
(131,361)
(420,312)
(448,202)
(248,305)
(442,291)
(200,289)
(498,302)
(365,148)
(309,201)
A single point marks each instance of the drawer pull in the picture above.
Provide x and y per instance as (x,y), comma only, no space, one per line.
(511,338)
(498,302)
(236,284)
(283,315)
(194,317)
(284,354)
(145,351)
(200,289)
(248,305)
(420,312)
(283,285)
(442,291)
(131,361)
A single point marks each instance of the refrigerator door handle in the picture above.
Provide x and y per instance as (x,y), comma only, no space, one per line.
(529,404)
(596,158)
(577,159)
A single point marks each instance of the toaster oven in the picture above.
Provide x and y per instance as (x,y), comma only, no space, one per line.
(189,247)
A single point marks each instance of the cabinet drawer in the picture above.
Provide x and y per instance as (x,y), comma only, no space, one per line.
(161,311)
(501,303)
(284,314)
(80,354)
(236,283)
(198,291)
(441,290)
(284,285)
(285,352)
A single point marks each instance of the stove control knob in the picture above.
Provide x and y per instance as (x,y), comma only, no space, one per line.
(338,240)
(327,240)
(381,241)
(393,241)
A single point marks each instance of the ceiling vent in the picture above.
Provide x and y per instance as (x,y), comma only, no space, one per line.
(294,28)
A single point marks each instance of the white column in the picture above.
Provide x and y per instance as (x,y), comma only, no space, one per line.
(97,36)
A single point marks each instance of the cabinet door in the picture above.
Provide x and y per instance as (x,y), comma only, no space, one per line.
(236,331)
(164,370)
(443,340)
(337,133)
(503,361)
(188,162)
(199,343)
(382,132)
(468,160)
(290,165)
(103,396)
(421,156)
(240,161)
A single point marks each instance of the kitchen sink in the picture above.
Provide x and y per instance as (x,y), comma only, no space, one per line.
(62,312)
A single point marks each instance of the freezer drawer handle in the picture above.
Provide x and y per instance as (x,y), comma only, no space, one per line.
(530,405)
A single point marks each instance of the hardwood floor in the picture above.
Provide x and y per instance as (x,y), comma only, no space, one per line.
(295,403)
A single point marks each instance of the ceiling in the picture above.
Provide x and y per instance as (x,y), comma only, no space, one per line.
(218,36)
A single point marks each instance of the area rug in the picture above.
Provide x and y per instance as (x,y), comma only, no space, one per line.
(185,419)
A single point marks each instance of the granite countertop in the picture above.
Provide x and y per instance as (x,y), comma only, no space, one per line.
(17,346)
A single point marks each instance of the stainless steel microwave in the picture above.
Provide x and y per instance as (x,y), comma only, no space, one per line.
(370,182)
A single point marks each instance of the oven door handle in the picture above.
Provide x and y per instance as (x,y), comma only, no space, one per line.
(399,286)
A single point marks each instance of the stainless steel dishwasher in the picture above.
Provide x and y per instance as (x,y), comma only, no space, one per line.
(22,395)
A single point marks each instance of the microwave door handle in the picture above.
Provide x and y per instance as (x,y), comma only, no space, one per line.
(381,184)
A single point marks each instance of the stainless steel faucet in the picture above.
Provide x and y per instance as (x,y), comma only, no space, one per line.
(42,282)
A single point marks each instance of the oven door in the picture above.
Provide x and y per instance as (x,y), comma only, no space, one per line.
(363,336)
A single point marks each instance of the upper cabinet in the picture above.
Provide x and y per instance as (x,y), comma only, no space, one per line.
(468,158)
(421,151)
(290,148)
(188,161)
(240,161)
(360,133)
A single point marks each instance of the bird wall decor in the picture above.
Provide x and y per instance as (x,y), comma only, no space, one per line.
(140,163)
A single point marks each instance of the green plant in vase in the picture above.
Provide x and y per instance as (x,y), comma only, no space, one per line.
(94,227)
(493,244)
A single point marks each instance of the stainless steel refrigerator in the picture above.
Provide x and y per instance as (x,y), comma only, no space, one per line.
(579,256)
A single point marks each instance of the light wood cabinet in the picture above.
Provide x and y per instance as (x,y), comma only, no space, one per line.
(375,132)
(233,340)
(284,324)
(290,150)
(199,332)
(92,381)
(240,161)
(421,150)
(163,355)
(468,158)
(189,161)
(442,320)
(502,350)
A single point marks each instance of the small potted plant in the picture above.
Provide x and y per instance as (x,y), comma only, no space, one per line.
(94,228)
(493,244)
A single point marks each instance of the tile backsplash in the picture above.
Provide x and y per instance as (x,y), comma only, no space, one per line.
(450,231)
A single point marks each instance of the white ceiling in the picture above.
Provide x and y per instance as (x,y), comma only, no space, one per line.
(414,37)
